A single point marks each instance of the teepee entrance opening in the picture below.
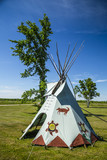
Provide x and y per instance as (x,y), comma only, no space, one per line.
(36,126)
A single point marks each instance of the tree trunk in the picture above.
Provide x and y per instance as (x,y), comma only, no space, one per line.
(88,103)
(42,87)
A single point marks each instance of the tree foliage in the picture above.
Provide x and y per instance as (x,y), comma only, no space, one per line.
(75,90)
(32,51)
(87,89)
(31,94)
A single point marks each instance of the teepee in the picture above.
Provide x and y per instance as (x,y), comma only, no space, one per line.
(63,122)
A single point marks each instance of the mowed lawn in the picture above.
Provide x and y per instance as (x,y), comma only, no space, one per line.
(15,118)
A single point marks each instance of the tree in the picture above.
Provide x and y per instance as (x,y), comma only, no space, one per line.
(87,89)
(75,90)
(32,50)
(31,94)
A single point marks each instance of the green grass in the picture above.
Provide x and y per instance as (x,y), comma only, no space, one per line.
(13,119)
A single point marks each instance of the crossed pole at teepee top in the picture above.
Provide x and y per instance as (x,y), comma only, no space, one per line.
(63,71)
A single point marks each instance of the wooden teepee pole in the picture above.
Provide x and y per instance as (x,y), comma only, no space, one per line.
(69,58)
(74,58)
(66,58)
(59,64)
(53,63)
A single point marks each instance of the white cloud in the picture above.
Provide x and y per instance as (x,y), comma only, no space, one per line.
(101,81)
(75,83)
(60,30)
(10,92)
(65,4)
(84,75)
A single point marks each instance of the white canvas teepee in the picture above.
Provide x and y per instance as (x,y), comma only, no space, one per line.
(63,122)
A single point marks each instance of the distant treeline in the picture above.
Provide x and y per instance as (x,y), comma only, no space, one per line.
(83,101)
(14,101)
(20,101)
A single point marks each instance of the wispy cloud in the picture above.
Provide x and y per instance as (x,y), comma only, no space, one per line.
(83,7)
(10,92)
(61,30)
(75,83)
(84,75)
(77,8)
(94,31)
(76,12)
(101,80)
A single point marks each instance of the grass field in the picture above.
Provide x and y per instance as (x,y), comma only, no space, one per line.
(14,118)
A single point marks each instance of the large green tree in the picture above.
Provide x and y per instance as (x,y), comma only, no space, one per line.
(32,50)
(87,89)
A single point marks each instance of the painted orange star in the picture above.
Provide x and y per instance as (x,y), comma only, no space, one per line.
(52,127)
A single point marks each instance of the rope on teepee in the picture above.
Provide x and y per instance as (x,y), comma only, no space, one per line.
(94,115)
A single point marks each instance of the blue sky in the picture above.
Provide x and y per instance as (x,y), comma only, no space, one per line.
(71,21)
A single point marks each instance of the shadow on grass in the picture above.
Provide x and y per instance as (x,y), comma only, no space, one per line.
(31,134)
(99,107)
(31,113)
(100,115)
(100,138)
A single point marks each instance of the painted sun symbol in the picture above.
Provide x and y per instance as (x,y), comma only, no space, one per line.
(52,127)
(83,129)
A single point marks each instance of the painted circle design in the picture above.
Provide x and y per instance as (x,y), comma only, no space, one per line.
(52,126)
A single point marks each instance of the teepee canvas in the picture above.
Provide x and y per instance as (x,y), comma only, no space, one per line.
(63,122)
